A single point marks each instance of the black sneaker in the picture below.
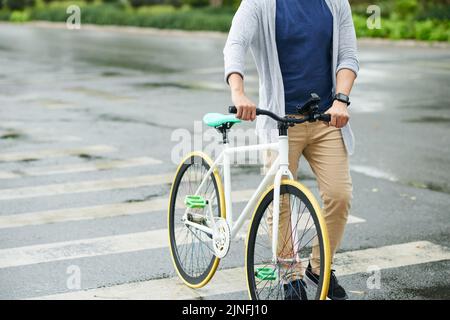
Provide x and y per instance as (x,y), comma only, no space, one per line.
(335,291)
(295,290)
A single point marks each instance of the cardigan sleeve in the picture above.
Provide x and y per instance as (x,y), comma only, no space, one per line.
(347,52)
(243,28)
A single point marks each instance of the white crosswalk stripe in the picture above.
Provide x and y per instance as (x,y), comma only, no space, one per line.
(52,153)
(234,280)
(41,253)
(81,167)
(7,175)
(107,211)
(96,212)
(84,186)
(19,256)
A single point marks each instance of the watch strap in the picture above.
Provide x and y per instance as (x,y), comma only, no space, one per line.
(342,98)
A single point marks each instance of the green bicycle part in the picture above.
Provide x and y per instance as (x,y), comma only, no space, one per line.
(266,273)
(217,119)
(195,202)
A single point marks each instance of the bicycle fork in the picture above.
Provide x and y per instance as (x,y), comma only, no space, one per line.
(282,171)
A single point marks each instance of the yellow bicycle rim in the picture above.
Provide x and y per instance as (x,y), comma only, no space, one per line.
(216,174)
(323,227)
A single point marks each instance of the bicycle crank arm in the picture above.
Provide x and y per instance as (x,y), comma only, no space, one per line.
(200,227)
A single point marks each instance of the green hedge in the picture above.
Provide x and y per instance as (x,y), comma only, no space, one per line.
(433,30)
(416,9)
(213,19)
(158,17)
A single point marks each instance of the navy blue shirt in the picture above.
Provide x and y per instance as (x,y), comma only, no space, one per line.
(304,36)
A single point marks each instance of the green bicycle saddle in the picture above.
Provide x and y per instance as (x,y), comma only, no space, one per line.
(218,119)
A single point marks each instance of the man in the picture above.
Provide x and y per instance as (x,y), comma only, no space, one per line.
(300,47)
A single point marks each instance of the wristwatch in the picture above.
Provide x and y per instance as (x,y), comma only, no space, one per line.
(342,98)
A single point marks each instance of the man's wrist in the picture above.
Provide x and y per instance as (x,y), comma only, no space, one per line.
(341,97)
(339,103)
(237,92)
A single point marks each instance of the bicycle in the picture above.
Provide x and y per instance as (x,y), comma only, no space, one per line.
(201,225)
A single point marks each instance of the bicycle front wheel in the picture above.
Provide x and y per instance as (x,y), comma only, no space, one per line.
(302,241)
(191,249)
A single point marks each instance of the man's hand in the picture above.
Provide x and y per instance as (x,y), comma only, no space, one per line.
(246,109)
(339,114)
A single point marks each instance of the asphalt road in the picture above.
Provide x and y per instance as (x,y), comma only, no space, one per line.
(89,120)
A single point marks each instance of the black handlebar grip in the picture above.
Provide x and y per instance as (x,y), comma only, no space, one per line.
(233,109)
(325,117)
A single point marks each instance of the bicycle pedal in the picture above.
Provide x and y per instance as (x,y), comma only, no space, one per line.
(195,202)
(266,273)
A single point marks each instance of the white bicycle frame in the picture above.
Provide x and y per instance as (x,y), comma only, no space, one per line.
(279,168)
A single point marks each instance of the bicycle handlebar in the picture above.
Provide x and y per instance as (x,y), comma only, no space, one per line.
(317,116)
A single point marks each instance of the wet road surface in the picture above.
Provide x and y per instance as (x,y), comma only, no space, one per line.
(88,123)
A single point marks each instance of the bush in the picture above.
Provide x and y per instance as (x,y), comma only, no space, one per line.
(402,9)
(16,4)
(4,15)
(175,3)
(435,11)
(19,16)
(155,10)
(424,29)
(232,3)
(196,3)
(167,16)
(140,3)
(440,33)
(433,30)
(160,16)
(405,9)
(136,3)
(53,12)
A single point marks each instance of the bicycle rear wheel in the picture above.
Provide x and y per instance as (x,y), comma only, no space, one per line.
(191,249)
(301,228)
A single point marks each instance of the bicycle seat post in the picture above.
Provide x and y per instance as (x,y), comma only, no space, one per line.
(223,129)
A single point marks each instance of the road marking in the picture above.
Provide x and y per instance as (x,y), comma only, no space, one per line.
(52,153)
(373,172)
(304,223)
(109,210)
(19,256)
(84,186)
(33,254)
(234,280)
(7,175)
(96,212)
(80,167)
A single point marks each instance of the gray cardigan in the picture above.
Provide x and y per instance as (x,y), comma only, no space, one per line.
(253,27)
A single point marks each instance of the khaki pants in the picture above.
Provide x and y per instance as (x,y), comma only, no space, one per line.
(324,149)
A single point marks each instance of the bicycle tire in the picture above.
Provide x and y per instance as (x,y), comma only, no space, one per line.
(212,262)
(298,190)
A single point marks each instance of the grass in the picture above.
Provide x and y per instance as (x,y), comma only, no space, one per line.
(211,19)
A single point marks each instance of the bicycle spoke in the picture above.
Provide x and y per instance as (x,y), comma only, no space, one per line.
(193,248)
(294,244)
